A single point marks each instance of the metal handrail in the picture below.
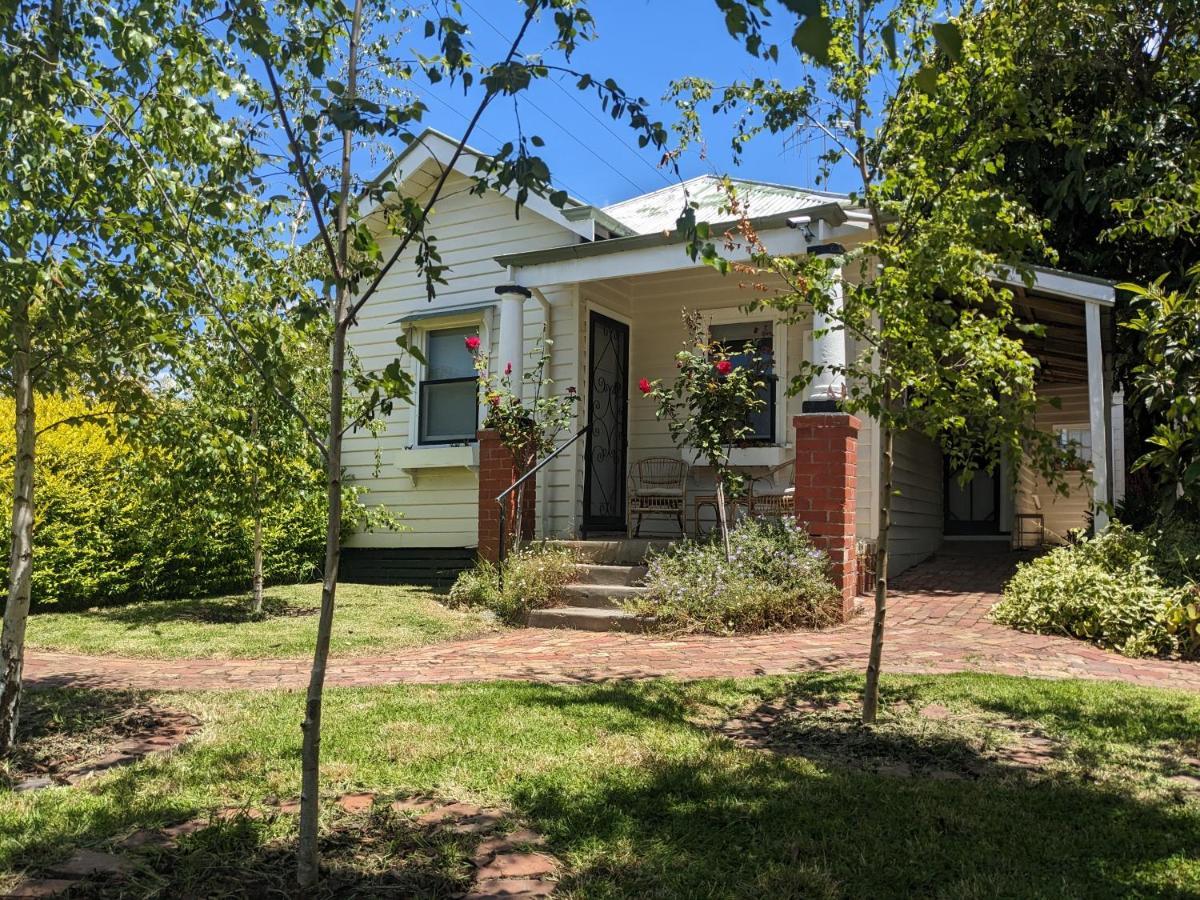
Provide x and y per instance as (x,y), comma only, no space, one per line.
(503,495)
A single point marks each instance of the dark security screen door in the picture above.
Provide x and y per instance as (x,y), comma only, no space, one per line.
(608,413)
(974,507)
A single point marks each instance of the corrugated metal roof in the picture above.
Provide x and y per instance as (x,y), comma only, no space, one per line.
(659,210)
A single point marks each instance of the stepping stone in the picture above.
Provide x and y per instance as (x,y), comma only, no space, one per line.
(231,813)
(184,828)
(488,820)
(356,802)
(1186,782)
(451,811)
(289,808)
(518,865)
(510,889)
(41,887)
(91,862)
(412,804)
(935,711)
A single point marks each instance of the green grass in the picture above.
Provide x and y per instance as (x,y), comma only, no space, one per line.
(641,798)
(369,618)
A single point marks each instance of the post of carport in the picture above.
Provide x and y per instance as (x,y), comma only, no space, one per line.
(1097,403)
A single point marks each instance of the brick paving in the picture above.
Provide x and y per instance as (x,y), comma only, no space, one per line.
(937,623)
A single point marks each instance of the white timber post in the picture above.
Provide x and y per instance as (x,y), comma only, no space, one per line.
(512,332)
(826,391)
(1097,406)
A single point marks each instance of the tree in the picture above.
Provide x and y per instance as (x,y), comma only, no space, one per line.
(92,301)
(709,405)
(943,352)
(1166,381)
(295,43)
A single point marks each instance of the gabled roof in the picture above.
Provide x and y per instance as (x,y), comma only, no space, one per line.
(657,211)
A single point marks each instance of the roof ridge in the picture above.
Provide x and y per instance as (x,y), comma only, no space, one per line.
(670,187)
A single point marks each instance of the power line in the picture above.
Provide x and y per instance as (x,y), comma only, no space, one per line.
(570,134)
(480,128)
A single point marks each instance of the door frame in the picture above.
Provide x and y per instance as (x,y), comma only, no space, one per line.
(587,522)
(987,529)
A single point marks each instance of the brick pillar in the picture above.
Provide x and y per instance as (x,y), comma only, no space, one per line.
(826,492)
(497,472)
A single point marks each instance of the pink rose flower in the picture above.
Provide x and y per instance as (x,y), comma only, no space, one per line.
(508,369)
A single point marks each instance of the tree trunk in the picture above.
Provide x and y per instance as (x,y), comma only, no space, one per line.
(20,563)
(256,604)
(721,518)
(308,860)
(875,660)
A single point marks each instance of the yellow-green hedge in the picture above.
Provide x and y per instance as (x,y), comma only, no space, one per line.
(100,536)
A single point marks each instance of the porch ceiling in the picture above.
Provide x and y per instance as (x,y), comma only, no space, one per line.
(1062,348)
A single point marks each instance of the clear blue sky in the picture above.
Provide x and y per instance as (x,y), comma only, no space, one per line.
(643,44)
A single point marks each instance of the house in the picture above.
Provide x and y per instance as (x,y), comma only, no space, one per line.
(607,286)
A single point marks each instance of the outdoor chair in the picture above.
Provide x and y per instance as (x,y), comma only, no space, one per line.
(657,487)
(770,501)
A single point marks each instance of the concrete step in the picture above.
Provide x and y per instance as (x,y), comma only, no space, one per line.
(584,619)
(598,596)
(616,552)
(594,573)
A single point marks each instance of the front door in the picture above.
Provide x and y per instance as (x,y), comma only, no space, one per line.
(608,414)
(974,507)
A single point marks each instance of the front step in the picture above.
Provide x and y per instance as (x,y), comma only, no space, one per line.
(598,596)
(618,552)
(584,619)
(594,573)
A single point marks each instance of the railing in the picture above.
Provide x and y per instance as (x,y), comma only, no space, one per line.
(502,498)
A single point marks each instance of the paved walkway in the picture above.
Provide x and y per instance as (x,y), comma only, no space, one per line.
(937,623)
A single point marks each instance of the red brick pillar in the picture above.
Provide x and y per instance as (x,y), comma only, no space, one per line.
(497,472)
(826,492)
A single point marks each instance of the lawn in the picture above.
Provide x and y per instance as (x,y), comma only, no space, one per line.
(369,618)
(641,796)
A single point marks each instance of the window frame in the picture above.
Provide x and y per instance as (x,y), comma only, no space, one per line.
(419,337)
(779,344)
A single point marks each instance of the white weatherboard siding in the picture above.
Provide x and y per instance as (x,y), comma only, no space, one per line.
(440,505)
(1061,514)
(917,517)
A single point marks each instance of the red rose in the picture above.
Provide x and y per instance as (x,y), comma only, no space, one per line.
(570,390)
(473,343)
(508,369)
(724,366)
(644,386)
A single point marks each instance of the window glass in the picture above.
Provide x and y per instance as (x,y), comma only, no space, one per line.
(447,402)
(447,353)
(1079,439)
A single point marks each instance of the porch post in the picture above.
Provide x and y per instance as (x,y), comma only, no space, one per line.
(1097,408)
(828,348)
(512,331)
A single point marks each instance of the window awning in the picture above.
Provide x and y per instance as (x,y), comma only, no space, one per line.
(443,313)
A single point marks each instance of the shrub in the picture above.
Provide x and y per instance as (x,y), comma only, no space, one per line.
(103,535)
(532,576)
(1106,590)
(776,580)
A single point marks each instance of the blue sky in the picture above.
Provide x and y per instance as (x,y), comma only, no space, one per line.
(643,44)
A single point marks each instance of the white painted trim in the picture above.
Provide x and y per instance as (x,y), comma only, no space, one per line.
(645,261)
(433,146)
(1096,415)
(1117,419)
(1064,285)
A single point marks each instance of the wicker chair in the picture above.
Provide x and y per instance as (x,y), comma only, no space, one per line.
(771,502)
(657,487)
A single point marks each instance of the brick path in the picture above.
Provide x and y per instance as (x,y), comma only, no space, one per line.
(937,623)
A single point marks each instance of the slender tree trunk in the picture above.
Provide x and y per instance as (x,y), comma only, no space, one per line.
(875,661)
(308,859)
(20,562)
(256,604)
(722,520)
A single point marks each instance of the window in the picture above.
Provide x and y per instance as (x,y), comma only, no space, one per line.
(733,338)
(448,409)
(1079,439)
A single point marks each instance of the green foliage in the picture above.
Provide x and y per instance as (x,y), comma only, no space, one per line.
(775,580)
(1107,590)
(106,533)
(532,576)
(1166,383)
